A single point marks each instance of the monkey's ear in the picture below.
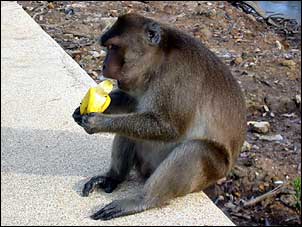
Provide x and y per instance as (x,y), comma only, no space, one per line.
(153,33)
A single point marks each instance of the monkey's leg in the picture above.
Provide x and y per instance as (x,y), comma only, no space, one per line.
(192,166)
(122,159)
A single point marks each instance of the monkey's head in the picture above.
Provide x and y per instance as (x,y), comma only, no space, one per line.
(132,45)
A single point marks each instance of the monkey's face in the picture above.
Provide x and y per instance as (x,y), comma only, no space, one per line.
(132,44)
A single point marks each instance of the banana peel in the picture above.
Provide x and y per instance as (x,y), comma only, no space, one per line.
(97,98)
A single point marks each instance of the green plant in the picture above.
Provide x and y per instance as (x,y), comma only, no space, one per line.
(297,186)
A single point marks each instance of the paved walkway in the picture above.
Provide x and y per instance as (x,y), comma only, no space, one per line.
(45,156)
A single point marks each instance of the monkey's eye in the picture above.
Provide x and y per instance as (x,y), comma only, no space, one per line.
(112,47)
(151,34)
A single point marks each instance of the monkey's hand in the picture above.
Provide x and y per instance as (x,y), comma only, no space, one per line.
(85,121)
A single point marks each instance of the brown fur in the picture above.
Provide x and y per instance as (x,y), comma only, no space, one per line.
(182,123)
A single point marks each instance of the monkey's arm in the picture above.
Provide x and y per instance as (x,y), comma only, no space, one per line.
(120,103)
(136,125)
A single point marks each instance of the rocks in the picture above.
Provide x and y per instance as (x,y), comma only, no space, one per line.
(288,56)
(298,99)
(68,36)
(69,11)
(288,63)
(278,45)
(205,34)
(211,14)
(281,104)
(289,115)
(107,22)
(253,105)
(95,54)
(265,107)
(251,17)
(201,11)
(114,13)
(277,137)
(289,200)
(238,60)
(93,74)
(260,127)
(51,5)
(246,146)
(230,205)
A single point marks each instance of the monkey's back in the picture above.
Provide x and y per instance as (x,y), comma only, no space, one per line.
(208,86)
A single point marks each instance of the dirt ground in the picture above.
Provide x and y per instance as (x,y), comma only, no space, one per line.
(266,62)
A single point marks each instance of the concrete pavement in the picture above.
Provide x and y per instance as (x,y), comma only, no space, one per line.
(45,156)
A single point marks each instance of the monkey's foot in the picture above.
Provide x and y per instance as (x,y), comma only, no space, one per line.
(107,183)
(120,208)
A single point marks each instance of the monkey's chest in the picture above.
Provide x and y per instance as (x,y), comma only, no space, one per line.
(149,155)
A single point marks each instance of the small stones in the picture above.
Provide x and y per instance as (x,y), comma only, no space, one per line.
(106,23)
(260,127)
(69,11)
(278,45)
(50,5)
(251,17)
(246,146)
(278,182)
(68,36)
(205,33)
(298,99)
(288,63)
(238,60)
(95,54)
(277,137)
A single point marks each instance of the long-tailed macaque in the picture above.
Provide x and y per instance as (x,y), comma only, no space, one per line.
(178,115)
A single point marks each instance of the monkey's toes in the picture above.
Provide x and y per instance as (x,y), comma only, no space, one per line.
(90,186)
(112,210)
(107,183)
(120,208)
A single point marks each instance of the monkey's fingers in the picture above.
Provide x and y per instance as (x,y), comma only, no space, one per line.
(77,116)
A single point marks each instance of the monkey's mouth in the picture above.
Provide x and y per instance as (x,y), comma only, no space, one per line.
(122,85)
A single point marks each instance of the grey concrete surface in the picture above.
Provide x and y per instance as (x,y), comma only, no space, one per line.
(45,156)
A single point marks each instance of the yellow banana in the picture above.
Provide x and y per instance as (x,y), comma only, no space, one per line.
(97,98)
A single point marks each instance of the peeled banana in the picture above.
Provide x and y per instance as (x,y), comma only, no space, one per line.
(97,98)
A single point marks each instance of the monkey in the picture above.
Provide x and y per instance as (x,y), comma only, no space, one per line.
(178,115)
